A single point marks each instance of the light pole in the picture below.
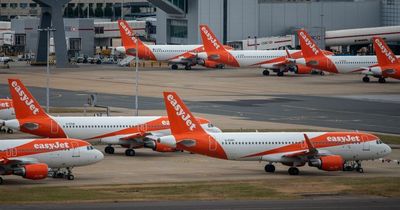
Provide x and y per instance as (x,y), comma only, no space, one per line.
(137,75)
(48,30)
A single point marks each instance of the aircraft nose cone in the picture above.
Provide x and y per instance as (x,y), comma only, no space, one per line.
(388,150)
(98,156)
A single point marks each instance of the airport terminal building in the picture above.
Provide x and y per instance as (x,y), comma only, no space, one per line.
(178,20)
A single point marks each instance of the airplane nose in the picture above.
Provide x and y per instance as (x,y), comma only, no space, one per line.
(98,156)
(388,150)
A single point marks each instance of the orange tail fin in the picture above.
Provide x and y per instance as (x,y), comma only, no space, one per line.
(308,47)
(180,118)
(210,41)
(25,104)
(127,35)
(384,55)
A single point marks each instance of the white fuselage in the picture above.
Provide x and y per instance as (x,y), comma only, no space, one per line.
(7,114)
(239,145)
(255,58)
(171,52)
(78,156)
(110,130)
(351,64)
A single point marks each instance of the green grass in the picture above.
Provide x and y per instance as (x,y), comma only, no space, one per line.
(285,188)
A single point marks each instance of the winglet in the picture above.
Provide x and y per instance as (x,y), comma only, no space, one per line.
(308,47)
(25,104)
(210,41)
(127,35)
(310,146)
(180,118)
(384,55)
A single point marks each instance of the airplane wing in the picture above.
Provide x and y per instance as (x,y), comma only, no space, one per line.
(18,161)
(134,136)
(310,150)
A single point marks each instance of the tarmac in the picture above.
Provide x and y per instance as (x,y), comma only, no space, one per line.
(231,99)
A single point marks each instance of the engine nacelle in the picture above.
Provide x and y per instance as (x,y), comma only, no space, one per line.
(212,64)
(33,171)
(159,147)
(301,69)
(328,163)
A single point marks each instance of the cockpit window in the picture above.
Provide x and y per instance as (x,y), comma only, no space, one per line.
(210,125)
(89,147)
(379,141)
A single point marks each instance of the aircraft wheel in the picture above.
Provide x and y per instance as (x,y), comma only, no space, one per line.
(360,170)
(322,73)
(365,79)
(280,74)
(382,80)
(269,168)
(266,72)
(109,150)
(130,152)
(188,67)
(10,131)
(221,66)
(70,177)
(1,181)
(174,67)
(348,168)
(293,171)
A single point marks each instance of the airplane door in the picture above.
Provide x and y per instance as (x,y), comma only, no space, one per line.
(366,145)
(212,144)
(53,127)
(75,150)
(12,152)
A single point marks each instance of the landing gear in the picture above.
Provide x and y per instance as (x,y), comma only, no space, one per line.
(220,66)
(63,174)
(359,169)
(1,181)
(10,131)
(109,149)
(381,80)
(188,67)
(174,67)
(69,175)
(269,168)
(293,171)
(265,72)
(130,152)
(280,74)
(365,79)
(322,73)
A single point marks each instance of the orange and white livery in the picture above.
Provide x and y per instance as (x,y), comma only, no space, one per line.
(35,158)
(6,113)
(335,64)
(275,60)
(130,132)
(6,109)
(185,55)
(329,151)
(388,64)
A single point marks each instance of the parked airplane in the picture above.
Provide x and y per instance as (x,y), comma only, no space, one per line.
(334,64)
(6,113)
(274,60)
(185,55)
(388,64)
(328,151)
(34,158)
(130,132)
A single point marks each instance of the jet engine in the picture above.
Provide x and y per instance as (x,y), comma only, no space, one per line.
(328,163)
(300,69)
(32,171)
(159,147)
